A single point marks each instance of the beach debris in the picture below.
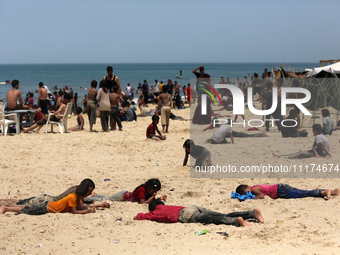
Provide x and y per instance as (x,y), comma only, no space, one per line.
(106,180)
(119,219)
(199,233)
(172,189)
(223,234)
(43,231)
(88,161)
(110,213)
(116,240)
(236,209)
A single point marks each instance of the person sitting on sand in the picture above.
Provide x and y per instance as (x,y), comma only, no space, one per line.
(201,154)
(127,113)
(152,129)
(195,214)
(44,197)
(56,117)
(140,102)
(80,120)
(320,147)
(71,203)
(289,129)
(284,191)
(143,194)
(328,123)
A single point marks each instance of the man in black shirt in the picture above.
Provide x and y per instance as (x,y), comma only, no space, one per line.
(290,128)
(112,81)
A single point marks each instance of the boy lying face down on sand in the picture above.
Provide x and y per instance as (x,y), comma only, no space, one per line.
(284,191)
(143,194)
(71,203)
(45,197)
(195,214)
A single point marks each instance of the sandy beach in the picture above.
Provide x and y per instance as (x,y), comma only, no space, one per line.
(49,163)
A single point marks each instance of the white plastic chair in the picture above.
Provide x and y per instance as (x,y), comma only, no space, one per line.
(4,123)
(62,122)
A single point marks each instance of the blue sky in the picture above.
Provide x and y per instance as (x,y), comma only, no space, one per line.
(39,31)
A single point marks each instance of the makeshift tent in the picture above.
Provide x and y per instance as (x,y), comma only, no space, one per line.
(333,69)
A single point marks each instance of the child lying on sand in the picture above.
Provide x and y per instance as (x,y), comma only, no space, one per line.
(195,214)
(71,203)
(284,191)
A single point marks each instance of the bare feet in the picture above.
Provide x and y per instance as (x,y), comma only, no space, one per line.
(258,215)
(242,222)
(335,192)
(3,209)
(106,205)
(328,194)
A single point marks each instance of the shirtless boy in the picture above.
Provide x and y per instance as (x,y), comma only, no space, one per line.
(12,97)
(165,100)
(114,114)
(42,102)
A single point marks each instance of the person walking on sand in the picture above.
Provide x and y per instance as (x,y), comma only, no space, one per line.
(165,100)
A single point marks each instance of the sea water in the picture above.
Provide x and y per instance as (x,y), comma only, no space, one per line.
(79,76)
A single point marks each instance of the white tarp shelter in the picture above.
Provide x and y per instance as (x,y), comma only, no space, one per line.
(333,68)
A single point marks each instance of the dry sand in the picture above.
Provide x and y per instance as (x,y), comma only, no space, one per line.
(33,164)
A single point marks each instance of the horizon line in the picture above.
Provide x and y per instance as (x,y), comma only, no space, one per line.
(122,63)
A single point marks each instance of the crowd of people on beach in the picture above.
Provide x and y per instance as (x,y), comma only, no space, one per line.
(113,106)
(108,102)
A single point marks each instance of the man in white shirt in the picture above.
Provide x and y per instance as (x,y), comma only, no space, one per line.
(156,88)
